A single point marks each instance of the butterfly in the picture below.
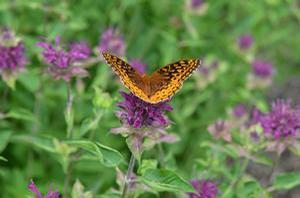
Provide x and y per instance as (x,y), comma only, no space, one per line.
(160,85)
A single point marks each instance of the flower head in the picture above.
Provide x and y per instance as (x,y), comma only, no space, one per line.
(138,113)
(204,189)
(112,41)
(51,194)
(262,68)
(196,3)
(220,129)
(12,56)
(245,41)
(138,65)
(239,110)
(282,121)
(62,62)
(143,120)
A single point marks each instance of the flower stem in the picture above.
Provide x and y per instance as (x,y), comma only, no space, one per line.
(270,176)
(128,175)
(69,112)
(67,179)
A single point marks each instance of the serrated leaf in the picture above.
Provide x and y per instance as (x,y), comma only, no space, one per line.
(165,180)
(286,180)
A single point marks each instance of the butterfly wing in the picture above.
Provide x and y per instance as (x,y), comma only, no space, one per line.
(166,81)
(128,75)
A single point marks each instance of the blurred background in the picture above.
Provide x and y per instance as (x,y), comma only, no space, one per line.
(250,51)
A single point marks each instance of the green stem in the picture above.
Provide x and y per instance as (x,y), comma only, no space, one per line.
(128,176)
(244,166)
(67,179)
(69,113)
(270,176)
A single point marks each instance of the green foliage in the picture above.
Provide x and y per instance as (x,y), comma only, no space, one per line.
(43,139)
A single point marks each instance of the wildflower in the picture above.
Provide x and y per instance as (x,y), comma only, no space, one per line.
(196,3)
(137,113)
(282,121)
(12,56)
(112,41)
(245,41)
(143,120)
(138,65)
(262,68)
(239,110)
(51,194)
(281,125)
(197,7)
(62,63)
(220,129)
(204,189)
(261,75)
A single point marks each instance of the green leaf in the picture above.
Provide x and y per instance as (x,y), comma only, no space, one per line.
(3,159)
(147,164)
(165,180)
(4,139)
(42,142)
(106,155)
(78,191)
(286,180)
(21,114)
(111,157)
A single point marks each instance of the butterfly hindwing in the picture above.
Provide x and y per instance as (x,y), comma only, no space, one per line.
(161,85)
(128,75)
(166,81)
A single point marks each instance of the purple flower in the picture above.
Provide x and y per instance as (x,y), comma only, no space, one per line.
(38,194)
(12,55)
(62,62)
(143,120)
(262,68)
(239,110)
(282,121)
(138,113)
(111,41)
(138,65)
(80,50)
(196,3)
(220,129)
(204,189)
(245,41)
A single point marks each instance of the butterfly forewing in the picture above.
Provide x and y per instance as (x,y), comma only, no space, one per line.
(161,85)
(128,75)
(166,81)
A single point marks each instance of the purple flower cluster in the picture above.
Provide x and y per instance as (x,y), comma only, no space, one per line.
(137,113)
(111,41)
(12,55)
(51,194)
(245,41)
(138,65)
(220,130)
(62,62)
(262,68)
(196,3)
(282,121)
(204,189)
(239,110)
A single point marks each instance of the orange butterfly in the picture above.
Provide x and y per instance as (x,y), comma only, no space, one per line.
(158,87)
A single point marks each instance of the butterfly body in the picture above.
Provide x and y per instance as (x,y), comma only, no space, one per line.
(159,86)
